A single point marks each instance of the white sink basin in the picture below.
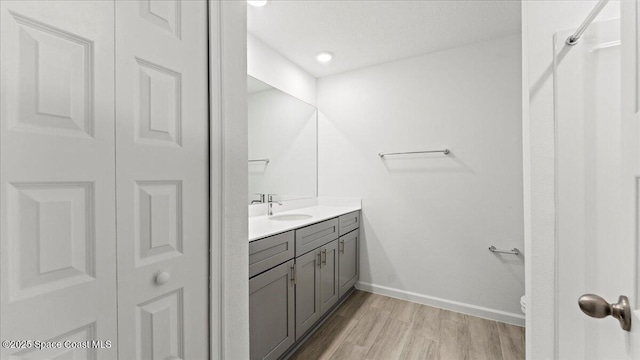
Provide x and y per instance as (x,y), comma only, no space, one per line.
(290,217)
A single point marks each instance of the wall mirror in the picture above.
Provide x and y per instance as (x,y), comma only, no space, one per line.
(283,145)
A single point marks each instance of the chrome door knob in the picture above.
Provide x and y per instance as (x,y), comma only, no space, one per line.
(597,307)
(162,278)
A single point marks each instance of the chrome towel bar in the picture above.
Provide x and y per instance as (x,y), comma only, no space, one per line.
(513,251)
(445,151)
(260,160)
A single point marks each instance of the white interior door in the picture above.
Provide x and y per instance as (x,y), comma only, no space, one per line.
(162,179)
(598,172)
(58,246)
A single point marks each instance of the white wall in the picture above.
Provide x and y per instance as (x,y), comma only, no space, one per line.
(269,66)
(540,20)
(428,220)
(282,129)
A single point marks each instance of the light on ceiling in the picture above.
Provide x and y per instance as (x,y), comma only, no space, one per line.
(324,56)
(258,3)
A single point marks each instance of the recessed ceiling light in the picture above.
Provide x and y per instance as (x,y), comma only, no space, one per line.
(324,56)
(258,3)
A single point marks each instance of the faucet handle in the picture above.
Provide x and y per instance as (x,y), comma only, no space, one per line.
(260,199)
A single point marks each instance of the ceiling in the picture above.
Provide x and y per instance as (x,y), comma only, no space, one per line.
(362,33)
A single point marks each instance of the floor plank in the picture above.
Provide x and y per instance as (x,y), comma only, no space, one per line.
(356,305)
(349,351)
(427,321)
(454,340)
(326,340)
(511,341)
(384,303)
(405,311)
(484,340)
(455,316)
(371,327)
(418,347)
(390,341)
(366,330)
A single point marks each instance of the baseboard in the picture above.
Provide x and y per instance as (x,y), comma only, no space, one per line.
(479,311)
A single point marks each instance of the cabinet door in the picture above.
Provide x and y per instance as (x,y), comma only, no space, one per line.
(348,254)
(307,291)
(271,309)
(328,276)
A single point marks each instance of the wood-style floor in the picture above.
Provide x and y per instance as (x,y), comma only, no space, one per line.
(369,326)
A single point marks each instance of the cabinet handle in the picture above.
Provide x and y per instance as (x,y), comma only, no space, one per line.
(342,244)
(319,261)
(324,257)
(293,274)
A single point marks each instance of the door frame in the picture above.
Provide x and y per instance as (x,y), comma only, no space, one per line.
(228,145)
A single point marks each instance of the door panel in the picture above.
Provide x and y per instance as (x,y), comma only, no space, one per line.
(271,310)
(589,156)
(329,276)
(162,192)
(348,273)
(307,291)
(58,247)
(597,185)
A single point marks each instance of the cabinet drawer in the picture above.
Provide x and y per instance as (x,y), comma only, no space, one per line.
(269,252)
(349,222)
(314,236)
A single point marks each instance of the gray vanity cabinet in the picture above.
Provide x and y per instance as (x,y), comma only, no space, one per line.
(271,312)
(328,276)
(296,278)
(348,248)
(307,291)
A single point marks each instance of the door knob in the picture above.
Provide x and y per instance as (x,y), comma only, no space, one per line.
(162,278)
(597,307)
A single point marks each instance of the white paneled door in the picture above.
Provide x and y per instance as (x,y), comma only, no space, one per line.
(57,190)
(162,180)
(597,194)
(104,178)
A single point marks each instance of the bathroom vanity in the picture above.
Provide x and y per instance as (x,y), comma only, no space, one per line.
(303,250)
(302,264)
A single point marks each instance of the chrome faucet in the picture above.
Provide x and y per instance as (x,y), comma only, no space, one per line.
(271,201)
(260,201)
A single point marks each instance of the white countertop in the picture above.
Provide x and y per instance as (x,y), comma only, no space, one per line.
(261,226)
